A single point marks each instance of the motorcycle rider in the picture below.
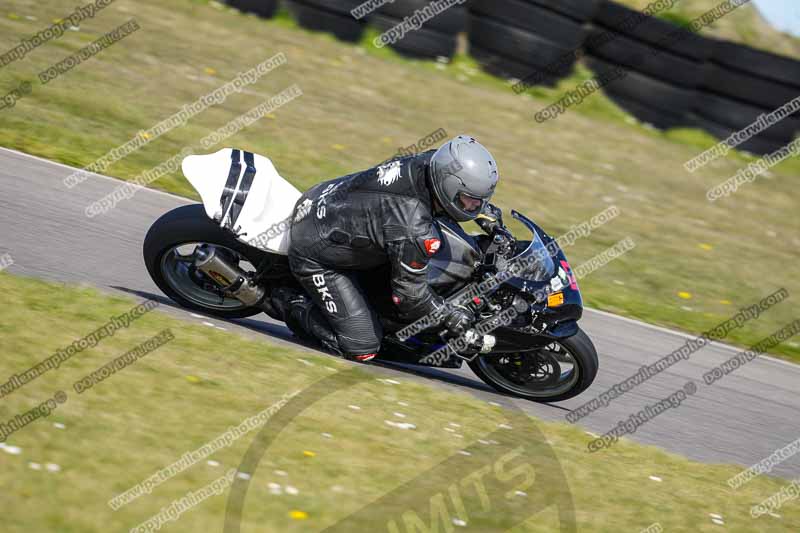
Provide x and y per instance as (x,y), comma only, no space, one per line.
(383,214)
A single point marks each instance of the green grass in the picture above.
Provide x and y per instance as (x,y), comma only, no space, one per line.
(360,104)
(676,18)
(192,389)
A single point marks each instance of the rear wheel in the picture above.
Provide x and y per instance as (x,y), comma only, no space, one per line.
(169,256)
(556,372)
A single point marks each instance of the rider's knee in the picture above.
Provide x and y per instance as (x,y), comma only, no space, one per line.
(360,334)
(359,346)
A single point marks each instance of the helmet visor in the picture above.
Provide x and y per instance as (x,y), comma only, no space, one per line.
(469,204)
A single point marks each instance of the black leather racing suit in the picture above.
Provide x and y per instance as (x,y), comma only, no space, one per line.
(358,222)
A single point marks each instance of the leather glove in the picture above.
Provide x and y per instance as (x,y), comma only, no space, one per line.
(459,320)
(494,212)
(490,219)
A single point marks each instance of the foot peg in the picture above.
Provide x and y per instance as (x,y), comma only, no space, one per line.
(484,343)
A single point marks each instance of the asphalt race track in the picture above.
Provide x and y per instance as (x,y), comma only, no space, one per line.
(742,419)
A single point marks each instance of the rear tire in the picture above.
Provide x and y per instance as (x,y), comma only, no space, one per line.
(585,357)
(189,224)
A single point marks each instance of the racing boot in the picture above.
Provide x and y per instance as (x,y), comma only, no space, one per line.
(303,318)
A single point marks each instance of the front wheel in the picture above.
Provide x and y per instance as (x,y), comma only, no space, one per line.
(556,372)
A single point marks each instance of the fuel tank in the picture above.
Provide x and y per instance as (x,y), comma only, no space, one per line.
(452,267)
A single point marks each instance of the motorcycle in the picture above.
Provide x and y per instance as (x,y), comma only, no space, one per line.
(225,256)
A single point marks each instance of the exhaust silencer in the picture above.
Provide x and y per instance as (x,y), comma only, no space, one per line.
(229,277)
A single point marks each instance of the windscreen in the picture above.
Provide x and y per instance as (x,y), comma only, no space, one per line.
(535,262)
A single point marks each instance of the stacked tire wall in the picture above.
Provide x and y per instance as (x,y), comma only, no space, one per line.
(262,8)
(528,39)
(663,72)
(332,16)
(437,37)
(739,85)
(673,79)
(679,79)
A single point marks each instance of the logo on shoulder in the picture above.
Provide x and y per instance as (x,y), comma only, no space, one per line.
(432,246)
(389,173)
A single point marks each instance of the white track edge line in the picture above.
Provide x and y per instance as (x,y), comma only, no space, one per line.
(95,174)
(604,313)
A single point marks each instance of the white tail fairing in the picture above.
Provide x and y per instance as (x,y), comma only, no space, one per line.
(243,192)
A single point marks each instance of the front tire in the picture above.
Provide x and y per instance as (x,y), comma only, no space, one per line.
(583,369)
(185,226)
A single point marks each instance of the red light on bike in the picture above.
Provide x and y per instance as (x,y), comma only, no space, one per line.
(573,283)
